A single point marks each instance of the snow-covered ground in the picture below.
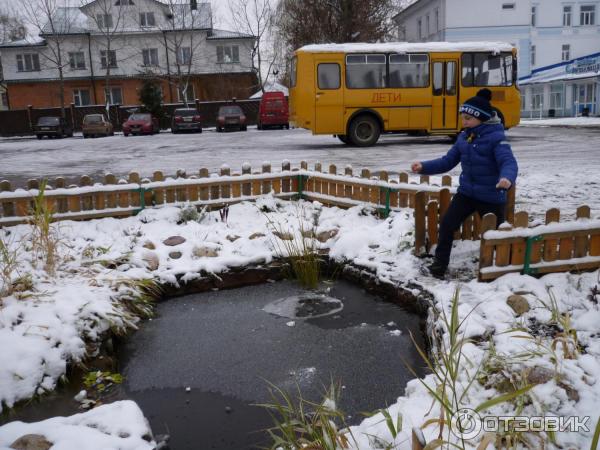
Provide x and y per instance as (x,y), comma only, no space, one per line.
(47,322)
(563,122)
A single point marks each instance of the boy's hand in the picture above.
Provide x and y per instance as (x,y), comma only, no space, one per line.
(416,167)
(504,183)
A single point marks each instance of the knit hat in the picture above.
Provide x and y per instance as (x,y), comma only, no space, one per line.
(479,106)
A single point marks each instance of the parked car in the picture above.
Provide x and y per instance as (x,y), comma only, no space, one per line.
(52,127)
(141,123)
(96,125)
(230,117)
(273,111)
(186,119)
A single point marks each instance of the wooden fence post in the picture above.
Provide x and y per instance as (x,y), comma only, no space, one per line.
(517,250)
(486,252)
(551,245)
(509,213)
(582,242)
(8,207)
(420,222)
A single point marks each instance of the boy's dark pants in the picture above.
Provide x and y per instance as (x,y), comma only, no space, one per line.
(460,208)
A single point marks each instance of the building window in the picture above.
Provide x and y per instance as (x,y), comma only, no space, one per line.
(147,19)
(508,6)
(566,52)
(533,16)
(186,93)
(328,76)
(81,97)
(567,10)
(124,2)
(113,95)
(184,55)
(150,56)
(587,15)
(28,62)
(76,60)
(437,20)
(427,28)
(104,20)
(228,54)
(409,71)
(532,55)
(419,29)
(3,100)
(108,58)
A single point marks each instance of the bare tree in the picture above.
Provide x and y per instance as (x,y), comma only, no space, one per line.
(53,19)
(109,18)
(182,38)
(255,17)
(322,21)
(12,27)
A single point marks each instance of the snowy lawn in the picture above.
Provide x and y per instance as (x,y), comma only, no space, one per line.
(50,323)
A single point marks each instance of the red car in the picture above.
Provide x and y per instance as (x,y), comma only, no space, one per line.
(231,117)
(141,123)
(273,111)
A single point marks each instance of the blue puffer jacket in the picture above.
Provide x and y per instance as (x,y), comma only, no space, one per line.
(484,160)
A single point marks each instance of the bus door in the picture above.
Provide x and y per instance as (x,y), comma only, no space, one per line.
(329,95)
(444,106)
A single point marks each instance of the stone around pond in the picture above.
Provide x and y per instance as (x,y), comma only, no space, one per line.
(173,241)
(31,442)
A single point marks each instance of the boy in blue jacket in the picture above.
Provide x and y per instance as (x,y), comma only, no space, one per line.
(488,170)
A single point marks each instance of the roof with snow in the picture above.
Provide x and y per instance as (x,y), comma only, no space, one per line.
(271,87)
(408,47)
(67,20)
(224,34)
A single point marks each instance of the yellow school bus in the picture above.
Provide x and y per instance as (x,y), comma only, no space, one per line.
(358,91)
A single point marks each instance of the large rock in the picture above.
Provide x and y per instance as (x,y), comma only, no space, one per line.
(31,442)
(151,260)
(284,235)
(518,303)
(174,240)
(175,255)
(324,236)
(538,375)
(204,251)
(149,245)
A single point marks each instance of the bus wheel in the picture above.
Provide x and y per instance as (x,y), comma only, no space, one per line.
(344,139)
(364,131)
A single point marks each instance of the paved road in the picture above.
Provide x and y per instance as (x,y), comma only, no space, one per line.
(561,161)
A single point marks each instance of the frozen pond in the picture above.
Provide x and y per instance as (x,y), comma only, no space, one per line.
(224,346)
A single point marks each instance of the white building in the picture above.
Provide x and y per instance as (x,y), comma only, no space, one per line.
(558,44)
(107,48)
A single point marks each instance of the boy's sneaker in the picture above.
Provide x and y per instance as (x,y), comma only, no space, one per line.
(437,269)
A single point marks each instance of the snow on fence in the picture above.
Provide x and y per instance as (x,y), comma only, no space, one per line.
(119,198)
(553,247)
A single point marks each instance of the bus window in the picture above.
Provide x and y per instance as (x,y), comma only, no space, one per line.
(293,71)
(408,71)
(438,78)
(450,78)
(484,69)
(365,71)
(328,76)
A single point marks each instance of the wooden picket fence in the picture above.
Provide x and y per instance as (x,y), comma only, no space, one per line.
(553,247)
(430,210)
(121,198)
(550,248)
